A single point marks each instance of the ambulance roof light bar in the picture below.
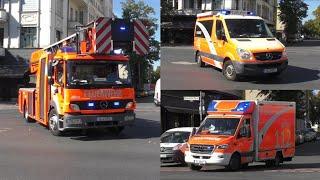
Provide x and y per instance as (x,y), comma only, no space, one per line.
(226,12)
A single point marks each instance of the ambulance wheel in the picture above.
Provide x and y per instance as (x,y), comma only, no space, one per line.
(53,123)
(235,162)
(229,71)
(278,159)
(245,165)
(199,60)
(26,115)
(195,167)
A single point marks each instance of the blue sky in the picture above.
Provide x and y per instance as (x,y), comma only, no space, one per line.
(153,3)
(313,4)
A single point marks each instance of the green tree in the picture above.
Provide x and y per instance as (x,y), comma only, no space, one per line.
(155,75)
(312,26)
(291,14)
(292,95)
(131,10)
(167,10)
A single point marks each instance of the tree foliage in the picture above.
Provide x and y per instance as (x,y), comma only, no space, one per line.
(312,26)
(291,14)
(167,10)
(155,75)
(292,95)
(131,10)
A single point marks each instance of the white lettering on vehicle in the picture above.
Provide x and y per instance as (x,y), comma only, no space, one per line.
(102,93)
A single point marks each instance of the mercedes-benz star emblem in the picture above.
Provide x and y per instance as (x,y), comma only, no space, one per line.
(269,56)
(162,149)
(104,105)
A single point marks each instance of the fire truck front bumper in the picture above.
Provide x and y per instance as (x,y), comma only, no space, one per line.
(70,122)
(219,159)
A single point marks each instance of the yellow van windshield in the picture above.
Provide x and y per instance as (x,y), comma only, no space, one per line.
(248,28)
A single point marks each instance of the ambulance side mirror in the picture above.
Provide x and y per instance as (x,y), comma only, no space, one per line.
(243,132)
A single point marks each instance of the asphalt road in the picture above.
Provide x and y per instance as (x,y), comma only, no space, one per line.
(305,165)
(180,72)
(30,152)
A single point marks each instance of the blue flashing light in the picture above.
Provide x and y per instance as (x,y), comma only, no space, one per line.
(225,12)
(116,103)
(242,107)
(67,49)
(250,13)
(123,28)
(211,106)
(90,104)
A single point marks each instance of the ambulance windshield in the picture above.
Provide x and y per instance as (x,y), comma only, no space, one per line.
(248,28)
(98,74)
(219,126)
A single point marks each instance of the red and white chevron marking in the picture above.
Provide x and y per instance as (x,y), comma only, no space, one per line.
(103,35)
(141,38)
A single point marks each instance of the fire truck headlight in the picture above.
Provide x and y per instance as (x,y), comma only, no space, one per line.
(244,54)
(223,146)
(129,105)
(75,107)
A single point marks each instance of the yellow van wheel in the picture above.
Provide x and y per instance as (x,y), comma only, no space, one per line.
(229,71)
(199,60)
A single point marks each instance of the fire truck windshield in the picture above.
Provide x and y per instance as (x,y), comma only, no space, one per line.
(248,28)
(98,74)
(219,126)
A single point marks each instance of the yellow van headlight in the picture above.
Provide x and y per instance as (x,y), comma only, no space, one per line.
(284,53)
(244,54)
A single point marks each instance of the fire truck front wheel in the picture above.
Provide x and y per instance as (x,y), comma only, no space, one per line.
(195,167)
(229,71)
(53,123)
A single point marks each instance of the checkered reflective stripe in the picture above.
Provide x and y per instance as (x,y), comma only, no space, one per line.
(103,35)
(141,38)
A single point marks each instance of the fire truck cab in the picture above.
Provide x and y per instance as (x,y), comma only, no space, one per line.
(239,43)
(80,84)
(236,133)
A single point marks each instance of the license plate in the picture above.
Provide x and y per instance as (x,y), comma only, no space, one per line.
(200,162)
(104,119)
(163,155)
(273,70)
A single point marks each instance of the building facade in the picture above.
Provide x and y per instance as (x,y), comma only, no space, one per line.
(38,23)
(179,29)
(182,108)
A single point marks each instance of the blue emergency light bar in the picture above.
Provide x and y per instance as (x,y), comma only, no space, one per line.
(242,107)
(235,12)
(211,106)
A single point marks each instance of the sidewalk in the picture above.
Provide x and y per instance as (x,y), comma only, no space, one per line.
(5,105)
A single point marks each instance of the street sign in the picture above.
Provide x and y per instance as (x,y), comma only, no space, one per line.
(191,98)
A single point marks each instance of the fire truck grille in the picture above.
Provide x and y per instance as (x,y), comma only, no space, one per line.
(201,149)
(102,105)
(267,56)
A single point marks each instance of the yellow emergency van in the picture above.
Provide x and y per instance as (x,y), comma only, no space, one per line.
(239,43)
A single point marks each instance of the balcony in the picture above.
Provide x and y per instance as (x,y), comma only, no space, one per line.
(3,16)
(188,12)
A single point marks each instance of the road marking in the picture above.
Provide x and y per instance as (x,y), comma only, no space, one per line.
(183,63)
(4,130)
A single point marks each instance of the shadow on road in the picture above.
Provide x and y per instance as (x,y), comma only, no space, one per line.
(307,43)
(143,129)
(264,168)
(297,75)
(308,149)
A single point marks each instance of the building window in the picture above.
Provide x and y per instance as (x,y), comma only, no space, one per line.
(76,16)
(71,14)
(175,4)
(28,37)
(29,5)
(81,17)
(191,4)
(58,35)
(1,37)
